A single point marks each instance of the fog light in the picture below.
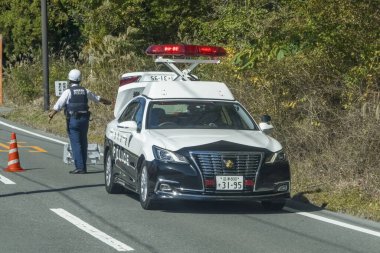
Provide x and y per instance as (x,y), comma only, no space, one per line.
(282,188)
(165,188)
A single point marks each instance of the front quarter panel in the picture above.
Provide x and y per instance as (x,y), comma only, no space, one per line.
(149,142)
(270,174)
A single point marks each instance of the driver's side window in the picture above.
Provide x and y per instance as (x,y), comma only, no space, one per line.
(129,112)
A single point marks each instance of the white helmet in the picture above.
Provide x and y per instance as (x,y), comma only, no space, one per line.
(75,75)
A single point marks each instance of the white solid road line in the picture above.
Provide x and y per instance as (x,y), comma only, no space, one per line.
(6,180)
(119,246)
(334,222)
(29,132)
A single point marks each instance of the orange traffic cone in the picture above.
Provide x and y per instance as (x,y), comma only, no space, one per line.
(13,159)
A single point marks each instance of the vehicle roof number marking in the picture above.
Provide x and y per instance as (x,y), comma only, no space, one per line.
(161,78)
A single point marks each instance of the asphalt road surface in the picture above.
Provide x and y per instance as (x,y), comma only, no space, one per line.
(46,209)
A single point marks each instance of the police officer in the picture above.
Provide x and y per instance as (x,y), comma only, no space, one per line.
(74,101)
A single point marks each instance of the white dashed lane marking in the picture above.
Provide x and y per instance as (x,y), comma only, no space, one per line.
(119,246)
(6,180)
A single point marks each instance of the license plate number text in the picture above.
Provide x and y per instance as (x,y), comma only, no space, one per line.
(229,183)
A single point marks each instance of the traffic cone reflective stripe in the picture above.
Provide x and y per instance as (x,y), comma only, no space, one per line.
(13,150)
(13,162)
(13,158)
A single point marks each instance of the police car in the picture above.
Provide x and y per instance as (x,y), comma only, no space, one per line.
(177,137)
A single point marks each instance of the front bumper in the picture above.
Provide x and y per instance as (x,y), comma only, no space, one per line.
(186,182)
(218,197)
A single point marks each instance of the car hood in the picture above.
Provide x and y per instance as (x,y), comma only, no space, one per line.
(176,139)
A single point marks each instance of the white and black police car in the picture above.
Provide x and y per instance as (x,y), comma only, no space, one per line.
(177,137)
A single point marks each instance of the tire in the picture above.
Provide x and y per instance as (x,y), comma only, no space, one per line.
(109,177)
(275,205)
(144,189)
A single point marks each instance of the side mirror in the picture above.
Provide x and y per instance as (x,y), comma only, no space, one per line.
(265,124)
(266,118)
(265,127)
(128,125)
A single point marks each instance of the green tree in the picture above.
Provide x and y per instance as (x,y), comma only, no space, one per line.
(339,33)
(20,23)
(145,22)
(20,26)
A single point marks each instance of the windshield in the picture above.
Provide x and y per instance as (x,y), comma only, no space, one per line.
(198,115)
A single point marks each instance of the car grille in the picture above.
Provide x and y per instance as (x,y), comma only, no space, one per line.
(228,163)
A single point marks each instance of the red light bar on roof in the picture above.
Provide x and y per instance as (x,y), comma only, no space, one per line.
(185,50)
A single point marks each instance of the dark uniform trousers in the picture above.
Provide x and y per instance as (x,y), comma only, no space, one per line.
(77,131)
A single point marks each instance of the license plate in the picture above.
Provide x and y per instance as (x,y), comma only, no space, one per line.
(229,183)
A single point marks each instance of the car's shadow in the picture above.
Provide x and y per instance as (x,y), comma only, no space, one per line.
(227,207)
(214,207)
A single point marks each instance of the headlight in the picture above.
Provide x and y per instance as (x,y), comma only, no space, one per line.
(164,155)
(276,157)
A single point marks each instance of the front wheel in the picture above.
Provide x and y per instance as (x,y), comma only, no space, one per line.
(111,186)
(144,189)
(274,205)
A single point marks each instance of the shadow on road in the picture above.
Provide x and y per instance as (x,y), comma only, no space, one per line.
(50,190)
(95,172)
(230,207)
(298,202)
(35,168)
(209,207)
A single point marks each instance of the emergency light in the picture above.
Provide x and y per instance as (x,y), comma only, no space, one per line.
(185,50)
